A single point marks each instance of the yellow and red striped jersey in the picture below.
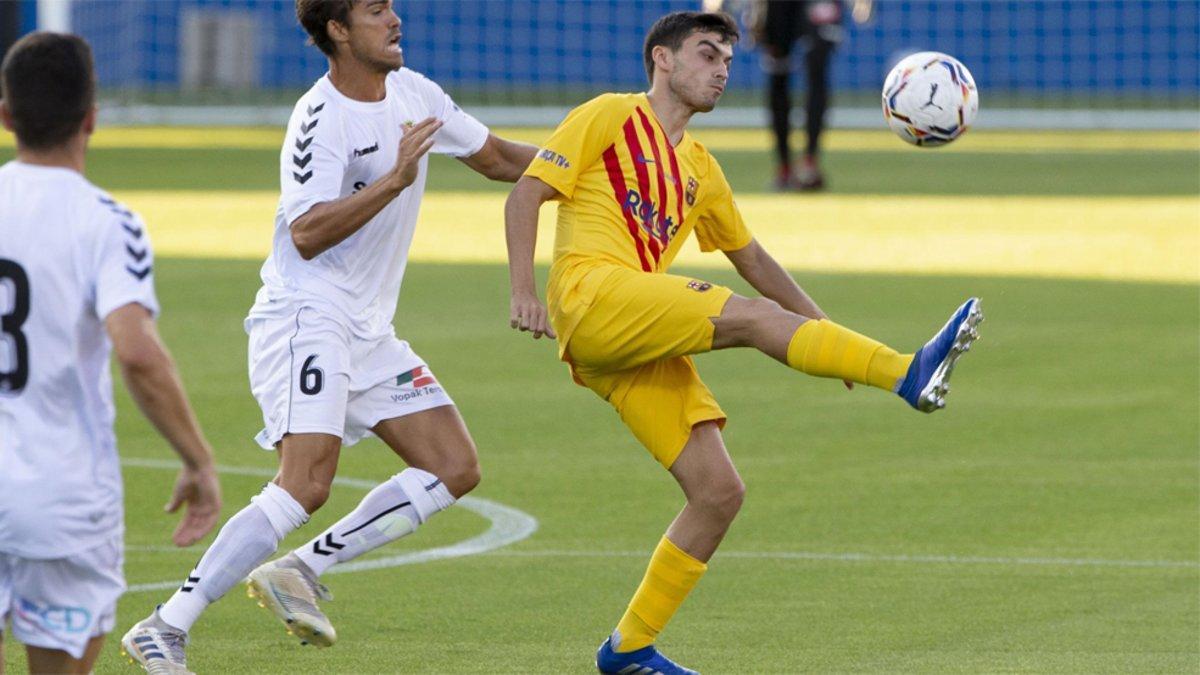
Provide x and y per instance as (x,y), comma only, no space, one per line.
(627,197)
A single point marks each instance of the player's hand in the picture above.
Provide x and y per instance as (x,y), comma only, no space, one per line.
(416,141)
(200,490)
(527,313)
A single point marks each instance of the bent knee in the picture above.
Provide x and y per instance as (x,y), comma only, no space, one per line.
(743,319)
(311,494)
(741,311)
(734,496)
(763,307)
(460,474)
(724,500)
(463,478)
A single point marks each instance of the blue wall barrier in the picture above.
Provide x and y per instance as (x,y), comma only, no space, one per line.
(1092,47)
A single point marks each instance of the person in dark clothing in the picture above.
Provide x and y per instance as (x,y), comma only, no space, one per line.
(777,26)
(818,23)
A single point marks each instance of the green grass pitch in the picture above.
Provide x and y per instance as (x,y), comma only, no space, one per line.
(1047,521)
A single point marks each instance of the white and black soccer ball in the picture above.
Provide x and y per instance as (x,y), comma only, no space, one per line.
(929,99)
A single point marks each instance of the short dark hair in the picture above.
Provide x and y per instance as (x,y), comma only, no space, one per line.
(315,16)
(49,85)
(671,30)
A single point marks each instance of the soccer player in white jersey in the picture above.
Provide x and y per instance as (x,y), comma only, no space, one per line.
(325,363)
(76,283)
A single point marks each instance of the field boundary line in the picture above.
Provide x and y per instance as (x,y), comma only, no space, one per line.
(508,526)
(872,558)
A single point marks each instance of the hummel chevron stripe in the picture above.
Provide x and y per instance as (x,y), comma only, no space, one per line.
(328,542)
(303,143)
(115,207)
(140,274)
(138,256)
(133,230)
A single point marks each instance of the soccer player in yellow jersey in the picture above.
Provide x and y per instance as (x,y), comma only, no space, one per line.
(632,184)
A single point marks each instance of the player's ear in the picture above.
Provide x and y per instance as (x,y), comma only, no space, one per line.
(663,57)
(337,31)
(89,122)
(6,115)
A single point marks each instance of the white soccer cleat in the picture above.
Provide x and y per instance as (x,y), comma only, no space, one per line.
(284,588)
(156,647)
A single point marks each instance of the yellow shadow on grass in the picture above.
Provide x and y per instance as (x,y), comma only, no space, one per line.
(1126,238)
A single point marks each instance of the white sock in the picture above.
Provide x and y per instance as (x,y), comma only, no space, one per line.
(247,539)
(393,509)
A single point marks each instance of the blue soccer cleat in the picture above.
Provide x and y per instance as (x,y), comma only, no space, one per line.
(928,379)
(644,661)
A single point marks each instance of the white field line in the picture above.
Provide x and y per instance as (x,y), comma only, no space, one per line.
(807,555)
(508,526)
(874,558)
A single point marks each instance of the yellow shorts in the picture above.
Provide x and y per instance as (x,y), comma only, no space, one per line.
(631,347)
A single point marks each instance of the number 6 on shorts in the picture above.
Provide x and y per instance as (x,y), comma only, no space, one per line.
(311,377)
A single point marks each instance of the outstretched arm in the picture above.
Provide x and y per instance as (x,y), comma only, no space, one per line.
(153,381)
(501,159)
(526,312)
(327,224)
(768,277)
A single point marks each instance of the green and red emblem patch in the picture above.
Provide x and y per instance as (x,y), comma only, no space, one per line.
(418,377)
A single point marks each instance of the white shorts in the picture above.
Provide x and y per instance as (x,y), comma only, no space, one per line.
(64,602)
(311,374)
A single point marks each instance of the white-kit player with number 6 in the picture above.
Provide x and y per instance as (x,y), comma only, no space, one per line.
(325,363)
(76,284)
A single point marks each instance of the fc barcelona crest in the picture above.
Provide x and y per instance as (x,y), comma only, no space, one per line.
(692,186)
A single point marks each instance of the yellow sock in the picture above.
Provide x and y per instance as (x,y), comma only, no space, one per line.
(671,575)
(825,349)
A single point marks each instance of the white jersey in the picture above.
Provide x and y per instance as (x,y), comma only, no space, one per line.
(334,147)
(69,255)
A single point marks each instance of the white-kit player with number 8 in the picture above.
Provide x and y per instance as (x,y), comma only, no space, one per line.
(76,284)
(325,363)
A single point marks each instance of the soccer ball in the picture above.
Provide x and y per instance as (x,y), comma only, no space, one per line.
(929,99)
